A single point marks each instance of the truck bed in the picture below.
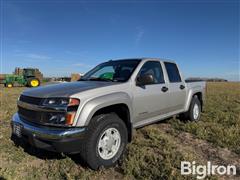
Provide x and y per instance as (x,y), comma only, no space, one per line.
(193,80)
(196,85)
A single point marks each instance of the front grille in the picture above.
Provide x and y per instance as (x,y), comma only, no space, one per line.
(36,117)
(30,115)
(30,100)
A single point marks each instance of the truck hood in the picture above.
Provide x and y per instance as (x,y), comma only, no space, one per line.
(65,89)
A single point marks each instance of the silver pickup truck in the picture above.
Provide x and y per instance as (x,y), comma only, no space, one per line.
(95,116)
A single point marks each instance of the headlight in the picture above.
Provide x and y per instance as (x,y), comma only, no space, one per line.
(56,101)
(61,102)
(61,118)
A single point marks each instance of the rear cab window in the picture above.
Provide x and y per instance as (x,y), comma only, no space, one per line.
(173,72)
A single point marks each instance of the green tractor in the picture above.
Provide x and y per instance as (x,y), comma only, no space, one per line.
(28,78)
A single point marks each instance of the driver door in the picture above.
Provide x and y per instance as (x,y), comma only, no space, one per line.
(150,100)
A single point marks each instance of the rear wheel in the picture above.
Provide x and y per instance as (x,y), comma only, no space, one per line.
(9,85)
(33,82)
(105,142)
(194,112)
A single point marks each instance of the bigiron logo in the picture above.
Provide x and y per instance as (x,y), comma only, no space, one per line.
(201,171)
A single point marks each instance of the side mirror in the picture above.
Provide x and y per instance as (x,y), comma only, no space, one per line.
(145,80)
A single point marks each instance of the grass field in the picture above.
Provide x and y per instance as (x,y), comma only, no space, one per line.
(155,153)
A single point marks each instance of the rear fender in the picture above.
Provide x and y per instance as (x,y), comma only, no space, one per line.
(191,92)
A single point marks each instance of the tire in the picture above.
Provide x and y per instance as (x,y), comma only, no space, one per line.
(194,112)
(33,82)
(91,150)
(9,85)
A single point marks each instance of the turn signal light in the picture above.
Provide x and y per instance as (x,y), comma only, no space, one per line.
(73,102)
(69,118)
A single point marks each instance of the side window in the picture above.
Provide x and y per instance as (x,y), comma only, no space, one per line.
(172,71)
(155,69)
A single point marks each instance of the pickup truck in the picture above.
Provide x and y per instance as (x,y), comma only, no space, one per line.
(95,116)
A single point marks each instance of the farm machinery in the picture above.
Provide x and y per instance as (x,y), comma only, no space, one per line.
(22,77)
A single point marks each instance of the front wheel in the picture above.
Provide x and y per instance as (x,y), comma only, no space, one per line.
(105,141)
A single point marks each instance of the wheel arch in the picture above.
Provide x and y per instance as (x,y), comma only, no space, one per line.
(118,103)
(122,111)
(199,95)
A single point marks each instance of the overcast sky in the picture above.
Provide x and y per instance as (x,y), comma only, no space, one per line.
(62,37)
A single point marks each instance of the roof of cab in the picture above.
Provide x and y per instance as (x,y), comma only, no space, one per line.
(145,59)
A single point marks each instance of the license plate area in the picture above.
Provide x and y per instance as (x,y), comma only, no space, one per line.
(17,129)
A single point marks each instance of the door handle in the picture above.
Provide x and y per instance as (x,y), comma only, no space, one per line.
(164,89)
(182,87)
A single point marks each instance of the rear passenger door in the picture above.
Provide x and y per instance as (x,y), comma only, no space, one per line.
(177,89)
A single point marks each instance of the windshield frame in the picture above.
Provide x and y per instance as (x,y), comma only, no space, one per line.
(87,76)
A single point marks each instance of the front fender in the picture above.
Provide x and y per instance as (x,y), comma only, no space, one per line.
(93,105)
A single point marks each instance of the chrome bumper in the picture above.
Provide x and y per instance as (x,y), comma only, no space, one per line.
(50,133)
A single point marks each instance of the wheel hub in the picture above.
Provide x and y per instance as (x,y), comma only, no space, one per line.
(109,143)
(195,111)
(34,83)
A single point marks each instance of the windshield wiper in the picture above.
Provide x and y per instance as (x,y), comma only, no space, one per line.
(100,79)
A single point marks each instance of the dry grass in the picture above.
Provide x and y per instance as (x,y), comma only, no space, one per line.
(155,153)
(220,122)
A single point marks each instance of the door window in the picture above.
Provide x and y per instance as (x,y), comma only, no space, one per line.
(172,71)
(154,68)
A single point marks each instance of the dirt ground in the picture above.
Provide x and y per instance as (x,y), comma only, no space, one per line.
(155,152)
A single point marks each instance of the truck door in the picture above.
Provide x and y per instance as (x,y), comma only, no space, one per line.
(150,100)
(177,89)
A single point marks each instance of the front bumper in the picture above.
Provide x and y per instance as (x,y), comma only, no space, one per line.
(66,140)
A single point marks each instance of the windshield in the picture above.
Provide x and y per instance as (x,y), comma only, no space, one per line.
(115,71)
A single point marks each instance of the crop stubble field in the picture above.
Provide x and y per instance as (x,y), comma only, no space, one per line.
(155,152)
